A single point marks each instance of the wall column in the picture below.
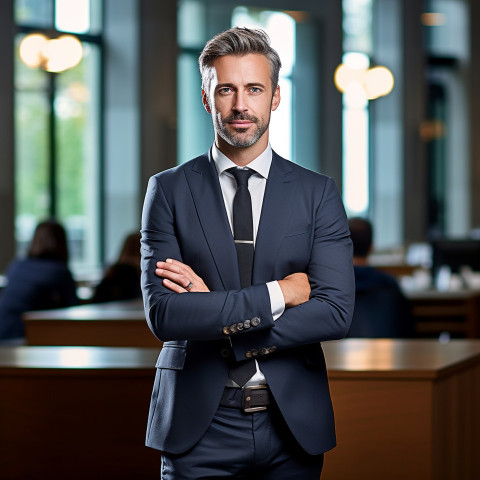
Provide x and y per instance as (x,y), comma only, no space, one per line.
(7,191)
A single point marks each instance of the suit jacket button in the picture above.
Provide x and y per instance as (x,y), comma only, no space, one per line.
(255,321)
(246,324)
(240,325)
(233,328)
(225,352)
(263,351)
(248,354)
(254,352)
(272,349)
(226,330)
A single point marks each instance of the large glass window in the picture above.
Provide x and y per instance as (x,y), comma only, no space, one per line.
(372,129)
(445,132)
(357,45)
(195,134)
(57,130)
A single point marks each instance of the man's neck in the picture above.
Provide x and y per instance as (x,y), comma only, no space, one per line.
(242,156)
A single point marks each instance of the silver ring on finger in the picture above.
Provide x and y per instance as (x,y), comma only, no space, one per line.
(189,286)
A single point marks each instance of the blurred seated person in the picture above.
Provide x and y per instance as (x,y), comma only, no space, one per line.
(381,309)
(40,281)
(122,279)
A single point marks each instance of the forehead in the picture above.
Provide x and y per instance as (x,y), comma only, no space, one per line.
(242,69)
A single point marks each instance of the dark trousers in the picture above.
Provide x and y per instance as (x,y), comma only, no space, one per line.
(239,445)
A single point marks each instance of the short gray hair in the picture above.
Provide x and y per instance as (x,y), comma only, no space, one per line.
(238,41)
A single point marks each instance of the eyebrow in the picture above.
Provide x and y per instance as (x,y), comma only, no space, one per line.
(251,84)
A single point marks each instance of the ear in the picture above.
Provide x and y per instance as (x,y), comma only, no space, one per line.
(276,99)
(205,102)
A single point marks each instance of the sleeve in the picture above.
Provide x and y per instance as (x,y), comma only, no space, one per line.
(328,313)
(277,302)
(190,316)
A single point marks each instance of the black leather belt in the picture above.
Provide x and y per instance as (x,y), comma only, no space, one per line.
(249,399)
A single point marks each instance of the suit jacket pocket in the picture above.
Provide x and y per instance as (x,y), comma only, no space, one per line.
(171,357)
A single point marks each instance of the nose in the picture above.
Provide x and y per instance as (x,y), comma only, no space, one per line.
(239,104)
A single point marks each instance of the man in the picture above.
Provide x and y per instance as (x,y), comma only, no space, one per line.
(216,311)
(381,308)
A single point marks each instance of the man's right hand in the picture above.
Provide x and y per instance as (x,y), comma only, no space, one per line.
(295,288)
(179,277)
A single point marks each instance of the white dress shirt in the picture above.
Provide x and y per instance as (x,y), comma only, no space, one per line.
(256,187)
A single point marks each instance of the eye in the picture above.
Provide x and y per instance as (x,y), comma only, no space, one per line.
(224,90)
(255,89)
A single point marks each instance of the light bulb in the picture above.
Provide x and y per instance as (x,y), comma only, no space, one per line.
(30,49)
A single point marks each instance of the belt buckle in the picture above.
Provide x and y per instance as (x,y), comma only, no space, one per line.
(247,399)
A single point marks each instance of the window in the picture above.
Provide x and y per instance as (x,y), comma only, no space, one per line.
(445,132)
(357,47)
(373,130)
(57,130)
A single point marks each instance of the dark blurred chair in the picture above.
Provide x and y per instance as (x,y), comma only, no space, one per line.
(122,279)
(381,309)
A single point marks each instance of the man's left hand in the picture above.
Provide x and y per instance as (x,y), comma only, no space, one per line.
(179,277)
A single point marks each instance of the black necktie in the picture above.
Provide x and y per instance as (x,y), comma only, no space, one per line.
(243,236)
(243,225)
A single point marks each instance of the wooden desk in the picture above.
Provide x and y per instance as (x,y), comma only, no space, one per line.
(75,413)
(404,409)
(117,324)
(457,312)
(396,270)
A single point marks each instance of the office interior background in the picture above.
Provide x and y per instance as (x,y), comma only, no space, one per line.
(81,144)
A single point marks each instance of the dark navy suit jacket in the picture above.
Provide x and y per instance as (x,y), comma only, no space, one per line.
(303,228)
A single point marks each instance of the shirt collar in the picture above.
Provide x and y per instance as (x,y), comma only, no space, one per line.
(260,165)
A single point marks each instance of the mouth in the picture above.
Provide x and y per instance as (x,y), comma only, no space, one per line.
(240,123)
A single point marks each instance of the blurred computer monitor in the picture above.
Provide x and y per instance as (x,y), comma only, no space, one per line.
(456,253)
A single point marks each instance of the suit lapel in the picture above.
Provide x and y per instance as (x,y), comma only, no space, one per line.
(276,211)
(207,196)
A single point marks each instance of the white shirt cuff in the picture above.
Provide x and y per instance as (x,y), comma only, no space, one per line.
(277,302)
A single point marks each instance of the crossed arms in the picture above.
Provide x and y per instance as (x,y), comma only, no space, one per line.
(177,277)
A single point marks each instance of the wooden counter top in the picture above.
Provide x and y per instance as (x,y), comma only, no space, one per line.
(124,310)
(81,358)
(345,358)
(111,324)
(433,294)
(398,358)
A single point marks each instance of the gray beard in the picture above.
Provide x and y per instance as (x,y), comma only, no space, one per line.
(236,139)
